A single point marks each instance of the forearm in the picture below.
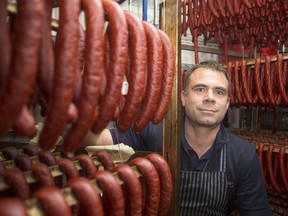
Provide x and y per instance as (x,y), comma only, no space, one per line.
(103,138)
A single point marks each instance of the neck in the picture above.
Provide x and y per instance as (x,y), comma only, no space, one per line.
(200,138)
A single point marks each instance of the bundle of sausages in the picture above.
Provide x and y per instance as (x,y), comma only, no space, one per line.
(272,149)
(145,189)
(259,84)
(254,24)
(78,79)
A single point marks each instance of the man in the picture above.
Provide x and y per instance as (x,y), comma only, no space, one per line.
(217,167)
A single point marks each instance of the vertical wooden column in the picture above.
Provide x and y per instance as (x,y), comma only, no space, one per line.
(170,22)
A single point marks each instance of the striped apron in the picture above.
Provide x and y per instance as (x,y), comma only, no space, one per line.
(204,193)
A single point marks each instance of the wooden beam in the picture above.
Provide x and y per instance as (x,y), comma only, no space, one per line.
(170,22)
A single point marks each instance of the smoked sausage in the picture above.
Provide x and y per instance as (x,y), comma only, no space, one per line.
(132,190)
(118,55)
(137,71)
(89,201)
(105,159)
(24,64)
(23,162)
(112,193)
(53,201)
(43,175)
(68,168)
(93,73)
(168,72)
(165,175)
(87,164)
(154,77)
(12,206)
(152,185)
(47,158)
(65,71)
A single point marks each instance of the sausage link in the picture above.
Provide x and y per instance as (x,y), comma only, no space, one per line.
(93,73)
(118,55)
(232,86)
(165,176)
(12,206)
(23,162)
(153,88)
(18,185)
(89,201)
(137,72)
(112,193)
(280,80)
(5,45)
(24,64)
(283,168)
(237,83)
(152,185)
(88,165)
(47,158)
(168,72)
(10,152)
(260,155)
(257,80)
(269,162)
(268,82)
(68,168)
(132,186)
(47,55)
(43,175)
(105,159)
(30,150)
(65,71)
(211,4)
(244,80)
(53,201)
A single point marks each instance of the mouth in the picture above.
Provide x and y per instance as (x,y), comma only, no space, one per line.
(206,110)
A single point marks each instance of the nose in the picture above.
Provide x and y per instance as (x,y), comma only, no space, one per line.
(209,96)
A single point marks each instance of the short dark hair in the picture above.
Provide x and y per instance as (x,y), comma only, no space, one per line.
(209,65)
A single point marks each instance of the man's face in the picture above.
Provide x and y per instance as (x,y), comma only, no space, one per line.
(206,100)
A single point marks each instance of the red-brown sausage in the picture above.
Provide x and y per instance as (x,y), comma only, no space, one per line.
(43,175)
(269,162)
(153,88)
(257,81)
(30,150)
(105,159)
(112,192)
(244,80)
(280,80)
(5,45)
(283,168)
(168,72)
(268,83)
(118,55)
(53,201)
(260,155)
(165,175)
(87,164)
(232,86)
(137,71)
(68,168)
(65,70)
(93,72)
(152,185)
(23,162)
(18,185)
(24,64)
(237,83)
(133,189)
(47,158)
(12,206)
(10,152)
(89,201)
(47,55)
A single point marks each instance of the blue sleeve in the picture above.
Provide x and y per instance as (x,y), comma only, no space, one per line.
(251,194)
(150,139)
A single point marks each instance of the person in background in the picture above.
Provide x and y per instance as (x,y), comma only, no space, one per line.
(218,169)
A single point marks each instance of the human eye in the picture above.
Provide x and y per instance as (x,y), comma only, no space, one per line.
(221,92)
(199,89)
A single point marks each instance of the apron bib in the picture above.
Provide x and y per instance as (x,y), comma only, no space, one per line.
(204,193)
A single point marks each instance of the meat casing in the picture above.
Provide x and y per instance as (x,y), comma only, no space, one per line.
(93,72)
(88,165)
(152,185)
(105,159)
(24,64)
(66,66)
(137,72)
(153,88)
(43,175)
(113,193)
(53,201)
(132,185)
(88,198)
(12,206)
(165,175)
(118,55)
(68,168)
(168,72)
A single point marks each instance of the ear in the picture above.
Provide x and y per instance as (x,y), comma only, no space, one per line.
(183,98)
